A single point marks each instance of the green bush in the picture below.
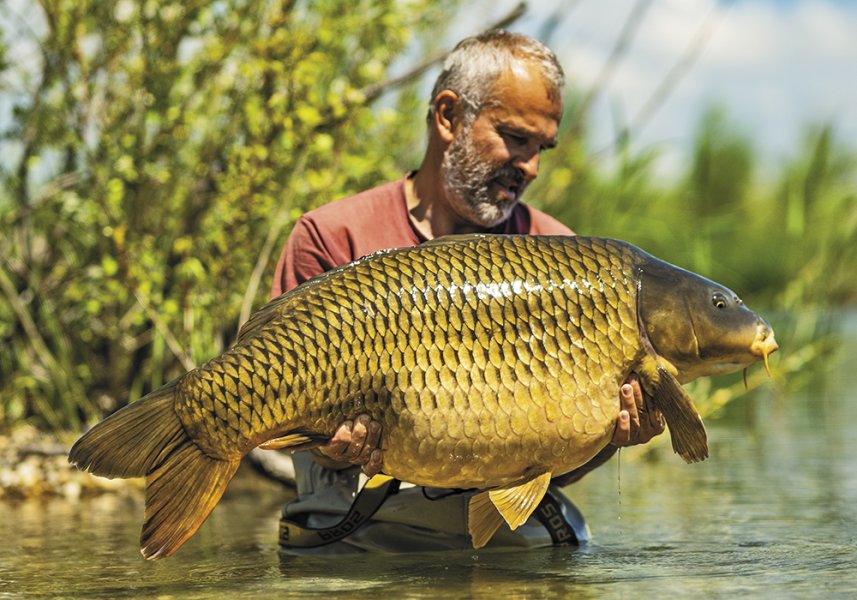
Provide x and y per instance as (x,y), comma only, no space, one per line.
(160,151)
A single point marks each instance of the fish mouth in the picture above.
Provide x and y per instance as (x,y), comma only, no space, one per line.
(764,344)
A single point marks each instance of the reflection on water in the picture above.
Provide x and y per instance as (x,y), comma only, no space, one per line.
(773,513)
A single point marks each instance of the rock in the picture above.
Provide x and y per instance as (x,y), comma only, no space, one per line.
(35,463)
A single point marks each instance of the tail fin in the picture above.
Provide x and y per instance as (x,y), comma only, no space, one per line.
(180,494)
(183,484)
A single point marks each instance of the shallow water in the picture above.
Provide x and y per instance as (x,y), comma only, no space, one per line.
(772,513)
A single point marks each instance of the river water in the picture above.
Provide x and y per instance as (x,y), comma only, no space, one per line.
(772,513)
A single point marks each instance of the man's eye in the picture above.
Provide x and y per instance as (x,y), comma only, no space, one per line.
(515,138)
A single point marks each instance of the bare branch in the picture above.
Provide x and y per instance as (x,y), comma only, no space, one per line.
(172,343)
(280,222)
(371,92)
(28,323)
(629,30)
(679,70)
(555,19)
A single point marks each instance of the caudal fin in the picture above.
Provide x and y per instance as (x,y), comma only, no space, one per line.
(180,494)
(183,484)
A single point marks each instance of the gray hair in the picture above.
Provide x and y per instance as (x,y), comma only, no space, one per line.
(476,62)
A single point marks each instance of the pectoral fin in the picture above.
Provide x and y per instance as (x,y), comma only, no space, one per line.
(513,504)
(686,429)
(294,441)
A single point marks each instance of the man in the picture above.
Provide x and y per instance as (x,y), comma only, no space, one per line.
(495,107)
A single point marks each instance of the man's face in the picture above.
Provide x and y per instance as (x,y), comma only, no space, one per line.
(489,164)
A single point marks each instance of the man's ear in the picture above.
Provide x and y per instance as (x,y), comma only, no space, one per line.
(447,115)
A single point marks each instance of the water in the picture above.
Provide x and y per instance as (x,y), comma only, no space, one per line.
(772,513)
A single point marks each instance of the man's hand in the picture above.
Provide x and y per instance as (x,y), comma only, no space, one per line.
(637,424)
(354,443)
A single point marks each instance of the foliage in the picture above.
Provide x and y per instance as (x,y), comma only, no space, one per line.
(787,246)
(155,155)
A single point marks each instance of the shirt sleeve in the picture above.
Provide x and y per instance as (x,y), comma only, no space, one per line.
(543,224)
(304,256)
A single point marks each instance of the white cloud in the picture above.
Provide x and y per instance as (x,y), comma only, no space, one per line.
(777,66)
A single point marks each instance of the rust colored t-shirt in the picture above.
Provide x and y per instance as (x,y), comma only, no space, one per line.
(377,219)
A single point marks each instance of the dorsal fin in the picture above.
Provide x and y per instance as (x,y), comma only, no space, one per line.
(269,311)
(272,309)
(263,316)
(458,238)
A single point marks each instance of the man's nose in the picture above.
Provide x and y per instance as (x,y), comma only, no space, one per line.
(528,165)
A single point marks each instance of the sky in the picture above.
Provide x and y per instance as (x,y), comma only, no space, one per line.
(777,66)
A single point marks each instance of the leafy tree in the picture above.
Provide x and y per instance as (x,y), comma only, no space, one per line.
(155,156)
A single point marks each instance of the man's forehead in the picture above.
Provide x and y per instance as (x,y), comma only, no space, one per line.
(524,105)
(524,89)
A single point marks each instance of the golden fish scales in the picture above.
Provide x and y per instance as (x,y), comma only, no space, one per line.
(455,350)
(491,362)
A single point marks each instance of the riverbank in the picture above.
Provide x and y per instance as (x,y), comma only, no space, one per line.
(34,463)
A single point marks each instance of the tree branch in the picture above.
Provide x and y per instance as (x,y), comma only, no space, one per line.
(371,92)
(172,343)
(670,81)
(679,70)
(629,30)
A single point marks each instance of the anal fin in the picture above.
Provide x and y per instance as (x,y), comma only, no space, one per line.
(512,503)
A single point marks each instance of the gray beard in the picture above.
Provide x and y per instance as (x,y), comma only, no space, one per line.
(467,180)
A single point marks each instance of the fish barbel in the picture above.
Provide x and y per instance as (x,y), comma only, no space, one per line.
(492,362)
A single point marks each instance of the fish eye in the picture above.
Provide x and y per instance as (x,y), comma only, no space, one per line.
(719,300)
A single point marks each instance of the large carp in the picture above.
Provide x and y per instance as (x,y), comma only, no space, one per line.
(492,362)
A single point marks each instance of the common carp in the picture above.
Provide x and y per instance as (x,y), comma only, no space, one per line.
(492,362)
